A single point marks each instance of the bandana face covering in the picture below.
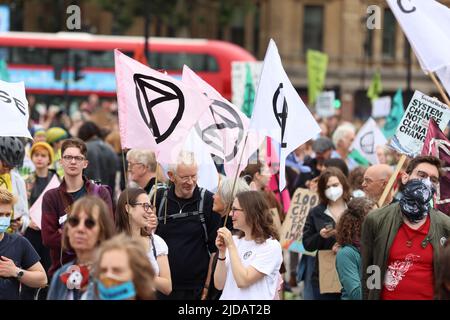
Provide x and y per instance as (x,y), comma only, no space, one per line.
(112,289)
(415,203)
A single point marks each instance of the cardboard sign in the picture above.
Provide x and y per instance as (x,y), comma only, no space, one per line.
(325,104)
(292,228)
(412,129)
(328,276)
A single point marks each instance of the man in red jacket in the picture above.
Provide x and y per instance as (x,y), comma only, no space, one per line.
(57,203)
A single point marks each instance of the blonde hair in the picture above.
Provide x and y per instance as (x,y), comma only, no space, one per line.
(143,273)
(7,197)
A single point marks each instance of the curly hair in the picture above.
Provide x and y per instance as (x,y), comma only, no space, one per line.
(349,225)
(257,216)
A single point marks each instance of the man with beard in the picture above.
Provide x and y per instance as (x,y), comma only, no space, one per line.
(188,225)
(401,243)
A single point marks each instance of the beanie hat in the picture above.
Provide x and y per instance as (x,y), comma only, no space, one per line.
(56,134)
(44,145)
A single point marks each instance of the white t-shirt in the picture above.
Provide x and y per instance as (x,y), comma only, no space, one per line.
(161,250)
(266,258)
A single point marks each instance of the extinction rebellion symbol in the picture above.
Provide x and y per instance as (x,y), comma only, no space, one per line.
(143,82)
(280,116)
(225,117)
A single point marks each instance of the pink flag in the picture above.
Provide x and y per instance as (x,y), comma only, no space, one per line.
(156,111)
(223,127)
(36,208)
(437,144)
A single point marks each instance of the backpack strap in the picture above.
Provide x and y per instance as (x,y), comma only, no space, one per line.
(162,203)
(202,216)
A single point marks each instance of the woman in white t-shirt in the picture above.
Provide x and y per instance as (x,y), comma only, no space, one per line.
(135,217)
(249,263)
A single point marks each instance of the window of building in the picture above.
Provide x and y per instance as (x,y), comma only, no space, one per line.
(237,28)
(313,28)
(389,30)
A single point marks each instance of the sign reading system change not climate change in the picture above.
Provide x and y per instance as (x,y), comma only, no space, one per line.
(412,130)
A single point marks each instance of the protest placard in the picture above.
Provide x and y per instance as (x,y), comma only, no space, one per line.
(381,107)
(325,104)
(412,129)
(276,218)
(292,228)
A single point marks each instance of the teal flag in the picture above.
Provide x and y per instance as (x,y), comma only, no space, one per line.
(4,74)
(249,93)
(395,116)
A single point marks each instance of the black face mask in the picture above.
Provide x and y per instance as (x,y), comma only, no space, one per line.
(415,203)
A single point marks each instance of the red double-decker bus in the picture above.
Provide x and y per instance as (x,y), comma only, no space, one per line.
(34,57)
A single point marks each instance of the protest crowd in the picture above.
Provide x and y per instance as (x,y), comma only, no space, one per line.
(100,203)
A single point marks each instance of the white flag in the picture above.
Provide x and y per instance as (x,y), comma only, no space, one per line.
(14,110)
(444,76)
(279,112)
(208,176)
(367,140)
(426,24)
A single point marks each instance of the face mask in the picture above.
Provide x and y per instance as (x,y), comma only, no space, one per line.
(334,193)
(415,203)
(358,193)
(111,289)
(4,223)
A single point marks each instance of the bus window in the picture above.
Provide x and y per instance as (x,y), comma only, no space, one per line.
(29,55)
(101,59)
(175,61)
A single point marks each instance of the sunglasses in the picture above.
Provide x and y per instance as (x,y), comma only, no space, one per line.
(89,223)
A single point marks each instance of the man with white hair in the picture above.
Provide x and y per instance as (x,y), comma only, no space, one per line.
(142,168)
(188,224)
(375,180)
(342,139)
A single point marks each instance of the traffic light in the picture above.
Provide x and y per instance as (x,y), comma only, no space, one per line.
(77,68)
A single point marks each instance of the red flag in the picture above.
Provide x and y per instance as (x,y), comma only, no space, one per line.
(437,144)
(139,55)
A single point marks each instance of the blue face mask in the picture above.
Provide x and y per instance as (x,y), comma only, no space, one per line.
(4,223)
(121,291)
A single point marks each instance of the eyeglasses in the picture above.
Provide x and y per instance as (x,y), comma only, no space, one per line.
(187,178)
(369,181)
(132,164)
(89,223)
(5,214)
(77,159)
(233,209)
(146,206)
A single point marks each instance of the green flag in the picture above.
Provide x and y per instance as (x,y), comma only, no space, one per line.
(375,87)
(316,62)
(358,157)
(249,93)
(395,116)
(4,74)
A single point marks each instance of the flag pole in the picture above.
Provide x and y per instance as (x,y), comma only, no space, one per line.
(391,181)
(235,179)
(441,90)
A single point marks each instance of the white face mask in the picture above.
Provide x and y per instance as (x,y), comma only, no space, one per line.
(334,193)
